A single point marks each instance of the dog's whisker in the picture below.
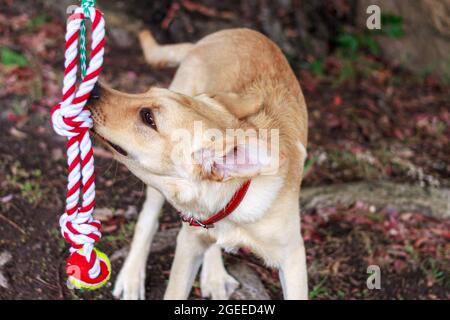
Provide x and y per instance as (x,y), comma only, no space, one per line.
(109,166)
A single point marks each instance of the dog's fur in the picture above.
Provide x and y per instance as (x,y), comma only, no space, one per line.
(230,79)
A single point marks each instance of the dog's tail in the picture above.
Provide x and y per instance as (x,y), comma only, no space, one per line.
(161,56)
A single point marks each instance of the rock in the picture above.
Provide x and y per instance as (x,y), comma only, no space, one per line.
(433,202)
(5,257)
(425,45)
(251,287)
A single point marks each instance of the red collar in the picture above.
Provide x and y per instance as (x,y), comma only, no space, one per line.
(227,210)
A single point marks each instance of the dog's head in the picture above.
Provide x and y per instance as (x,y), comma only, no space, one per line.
(161,133)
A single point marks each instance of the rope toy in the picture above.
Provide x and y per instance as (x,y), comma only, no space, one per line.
(86,267)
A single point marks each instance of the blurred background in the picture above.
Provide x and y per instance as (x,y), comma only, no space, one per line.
(376,188)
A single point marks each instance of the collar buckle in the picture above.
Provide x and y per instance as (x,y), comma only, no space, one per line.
(198,223)
(205,226)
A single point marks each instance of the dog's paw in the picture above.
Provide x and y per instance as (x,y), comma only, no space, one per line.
(217,285)
(130,284)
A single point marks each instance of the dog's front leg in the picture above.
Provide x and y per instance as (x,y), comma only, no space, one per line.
(293,273)
(215,281)
(188,258)
(130,283)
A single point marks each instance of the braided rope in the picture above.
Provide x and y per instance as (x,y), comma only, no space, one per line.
(85,4)
(72,119)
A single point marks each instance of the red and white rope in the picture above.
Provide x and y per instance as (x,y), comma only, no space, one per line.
(72,119)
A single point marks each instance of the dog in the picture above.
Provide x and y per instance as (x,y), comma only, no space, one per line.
(231,80)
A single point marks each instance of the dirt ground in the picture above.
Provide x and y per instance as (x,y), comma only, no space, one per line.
(376,122)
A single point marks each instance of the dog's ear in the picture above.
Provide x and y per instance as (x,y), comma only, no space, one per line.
(240,106)
(241,160)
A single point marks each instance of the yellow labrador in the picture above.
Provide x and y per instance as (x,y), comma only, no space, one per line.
(225,144)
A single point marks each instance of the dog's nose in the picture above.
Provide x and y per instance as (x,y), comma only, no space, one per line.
(95,94)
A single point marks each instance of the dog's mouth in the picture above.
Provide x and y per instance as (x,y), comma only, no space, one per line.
(111,145)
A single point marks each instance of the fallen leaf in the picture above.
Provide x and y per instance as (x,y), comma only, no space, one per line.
(6,199)
(103,214)
(441,232)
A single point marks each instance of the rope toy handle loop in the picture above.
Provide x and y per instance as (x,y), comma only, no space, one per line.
(86,5)
(86,266)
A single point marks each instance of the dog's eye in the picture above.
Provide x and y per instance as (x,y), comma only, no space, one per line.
(148,118)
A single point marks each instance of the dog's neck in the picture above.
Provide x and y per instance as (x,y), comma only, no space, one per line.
(201,200)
